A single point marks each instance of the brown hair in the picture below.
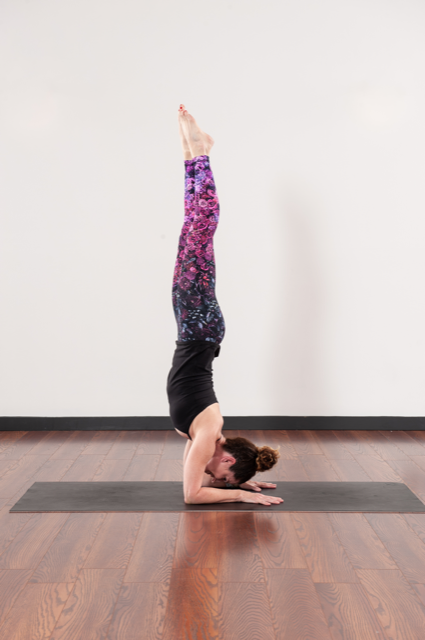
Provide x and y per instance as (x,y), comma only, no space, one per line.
(249,458)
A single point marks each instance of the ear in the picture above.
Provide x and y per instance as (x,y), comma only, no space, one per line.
(228,458)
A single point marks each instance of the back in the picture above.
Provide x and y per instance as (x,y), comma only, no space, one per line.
(190,381)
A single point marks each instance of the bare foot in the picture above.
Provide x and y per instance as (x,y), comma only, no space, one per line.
(187,154)
(193,138)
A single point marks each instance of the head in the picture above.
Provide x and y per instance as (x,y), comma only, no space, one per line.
(238,459)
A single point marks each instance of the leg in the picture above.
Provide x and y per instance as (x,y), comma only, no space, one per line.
(197,312)
(189,211)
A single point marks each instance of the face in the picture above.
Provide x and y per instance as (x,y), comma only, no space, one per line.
(218,468)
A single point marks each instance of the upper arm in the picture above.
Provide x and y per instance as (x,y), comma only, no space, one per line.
(200,453)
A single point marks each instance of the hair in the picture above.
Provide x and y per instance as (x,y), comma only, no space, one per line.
(249,458)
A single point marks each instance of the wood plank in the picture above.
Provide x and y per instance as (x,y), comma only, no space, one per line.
(153,552)
(332,447)
(114,543)
(278,439)
(73,445)
(291,470)
(33,540)
(142,468)
(35,612)
(151,443)
(11,584)
(378,470)
(348,612)
(419,460)
(194,615)
(420,591)
(402,542)
(386,449)
(48,445)
(125,446)
(10,526)
(418,435)
(417,522)
(68,551)
(412,475)
(89,609)
(174,446)
(410,446)
(355,444)
(262,438)
(101,443)
(324,553)
(239,551)
(51,471)
(140,606)
(18,475)
(397,607)
(295,605)
(361,543)
(278,541)
(244,612)
(318,468)
(7,438)
(350,471)
(197,541)
(258,437)
(23,445)
(4,434)
(7,465)
(111,470)
(305,442)
(83,469)
(170,470)
(232,433)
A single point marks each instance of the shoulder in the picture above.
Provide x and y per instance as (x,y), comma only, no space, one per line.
(209,422)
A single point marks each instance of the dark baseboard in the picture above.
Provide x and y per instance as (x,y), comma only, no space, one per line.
(163,423)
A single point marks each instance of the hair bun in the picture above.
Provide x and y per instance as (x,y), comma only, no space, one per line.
(266,458)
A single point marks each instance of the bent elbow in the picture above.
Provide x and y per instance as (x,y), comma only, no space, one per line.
(191,497)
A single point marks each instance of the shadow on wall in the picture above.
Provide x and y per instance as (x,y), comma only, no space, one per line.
(297,350)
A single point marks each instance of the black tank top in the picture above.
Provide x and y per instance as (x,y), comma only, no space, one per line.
(189,384)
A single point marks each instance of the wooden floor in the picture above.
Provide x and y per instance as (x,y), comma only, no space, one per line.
(171,576)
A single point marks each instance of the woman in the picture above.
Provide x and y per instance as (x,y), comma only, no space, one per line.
(210,462)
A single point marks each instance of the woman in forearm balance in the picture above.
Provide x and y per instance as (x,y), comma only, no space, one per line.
(211,461)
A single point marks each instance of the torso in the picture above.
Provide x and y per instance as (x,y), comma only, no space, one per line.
(190,388)
(209,418)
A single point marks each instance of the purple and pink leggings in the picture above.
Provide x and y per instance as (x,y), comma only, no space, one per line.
(196,309)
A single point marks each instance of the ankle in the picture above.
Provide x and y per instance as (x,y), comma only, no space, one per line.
(198,150)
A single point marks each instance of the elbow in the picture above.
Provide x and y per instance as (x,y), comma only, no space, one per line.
(190,498)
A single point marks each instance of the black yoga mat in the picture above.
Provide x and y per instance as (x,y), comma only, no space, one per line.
(392,497)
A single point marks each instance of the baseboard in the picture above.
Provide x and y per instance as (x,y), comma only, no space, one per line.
(163,423)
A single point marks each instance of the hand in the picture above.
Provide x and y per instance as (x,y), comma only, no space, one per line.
(257,486)
(259,498)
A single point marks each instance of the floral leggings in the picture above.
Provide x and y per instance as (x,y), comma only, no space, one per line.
(195,306)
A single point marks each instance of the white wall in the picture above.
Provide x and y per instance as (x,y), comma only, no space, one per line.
(317,109)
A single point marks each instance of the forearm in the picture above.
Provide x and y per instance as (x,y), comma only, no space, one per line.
(208,495)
